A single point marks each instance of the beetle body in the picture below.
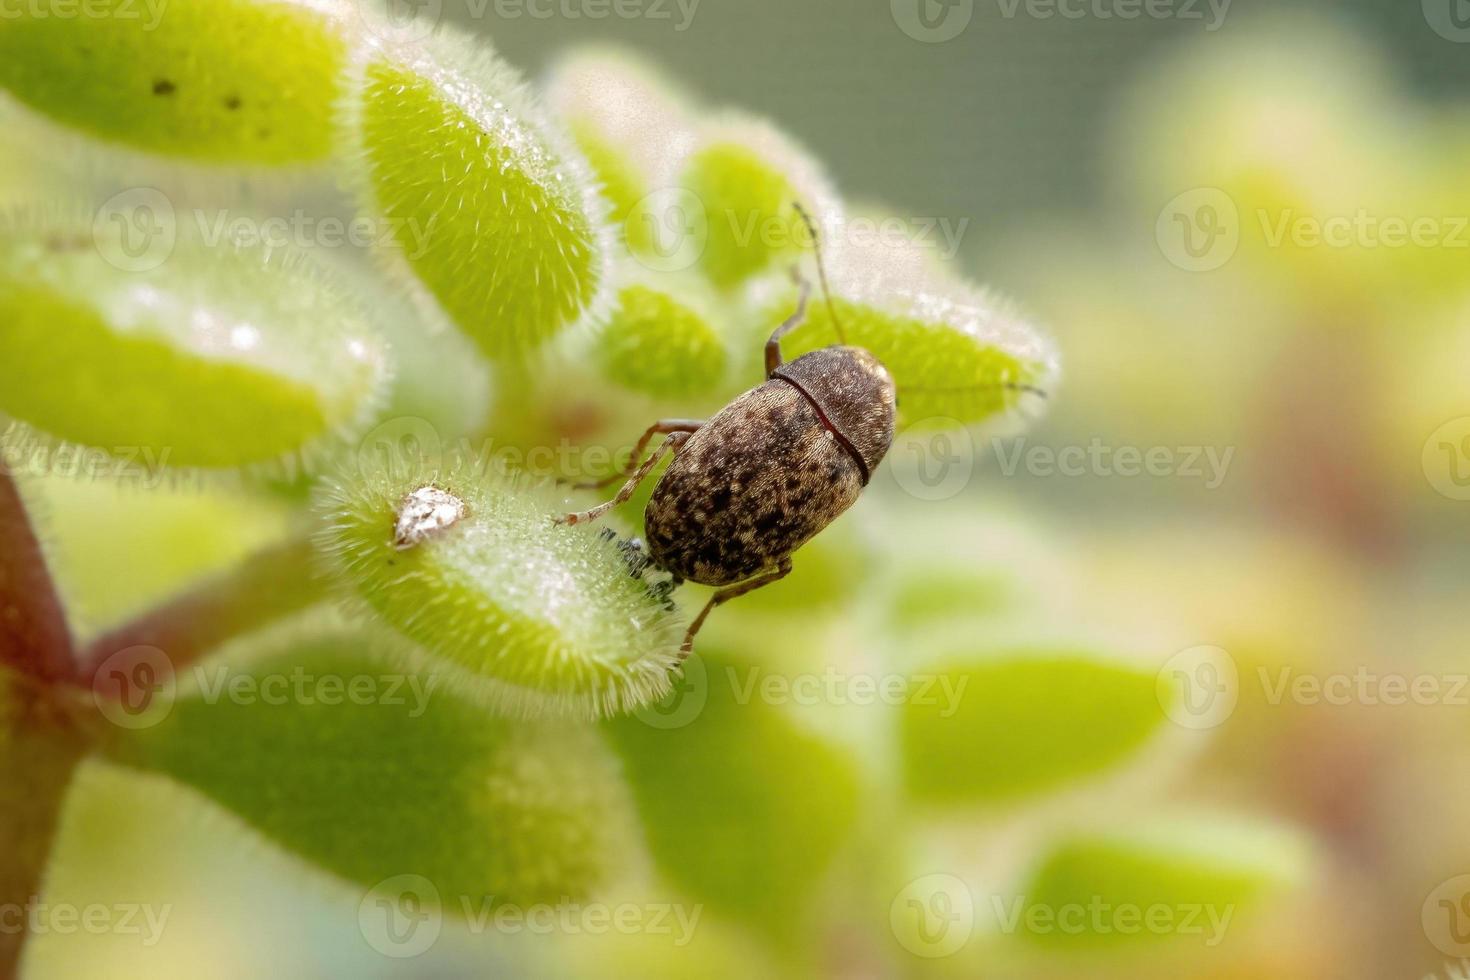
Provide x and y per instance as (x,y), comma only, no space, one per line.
(773,468)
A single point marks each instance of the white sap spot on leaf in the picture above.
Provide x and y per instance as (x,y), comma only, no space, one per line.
(423,513)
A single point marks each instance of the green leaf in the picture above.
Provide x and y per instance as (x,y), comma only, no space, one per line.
(1224,867)
(925,596)
(743,808)
(190,356)
(955,352)
(252,81)
(545,618)
(492,210)
(1018,722)
(746,175)
(629,122)
(340,745)
(439,376)
(663,339)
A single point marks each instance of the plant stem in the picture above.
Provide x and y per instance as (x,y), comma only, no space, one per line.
(270,584)
(34,637)
(39,752)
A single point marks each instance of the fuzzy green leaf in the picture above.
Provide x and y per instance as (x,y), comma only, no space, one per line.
(1024,721)
(955,352)
(210,358)
(250,81)
(746,175)
(662,340)
(1225,868)
(630,124)
(743,808)
(344,748)
(493,211)
(545,618)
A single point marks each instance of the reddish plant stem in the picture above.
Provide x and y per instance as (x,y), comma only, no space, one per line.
(34,637)
(267,586)
(39,753)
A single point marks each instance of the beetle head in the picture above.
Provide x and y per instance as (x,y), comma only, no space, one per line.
(854,391)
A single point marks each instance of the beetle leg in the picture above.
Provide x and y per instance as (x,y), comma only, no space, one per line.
(661,427)
(671,444)
(773,346)
(732,592)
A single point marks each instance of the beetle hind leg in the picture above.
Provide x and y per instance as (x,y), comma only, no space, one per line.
(661,427)
(669,445)
(732,592)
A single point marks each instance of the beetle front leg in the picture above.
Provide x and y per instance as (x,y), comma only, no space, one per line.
(671,444)
(732,592)
(773,346)
(661,427)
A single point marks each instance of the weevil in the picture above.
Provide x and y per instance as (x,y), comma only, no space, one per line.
(748,487)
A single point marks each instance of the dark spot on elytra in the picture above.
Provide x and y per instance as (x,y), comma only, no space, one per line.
(164,87)
(232,102)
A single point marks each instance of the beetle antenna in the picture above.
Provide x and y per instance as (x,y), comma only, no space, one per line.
(811,226)
(1003,385)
